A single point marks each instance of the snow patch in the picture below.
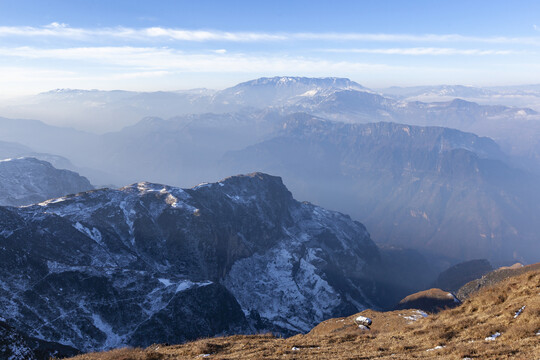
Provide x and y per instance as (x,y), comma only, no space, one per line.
(436,348)
(113,339)
(519,311)
(450,295)
(93,234)
(240,199)
(52,201)
(165,282)
(175,203)
(310,93)
(202,185)
(187,284)
(493,337)
(418,314)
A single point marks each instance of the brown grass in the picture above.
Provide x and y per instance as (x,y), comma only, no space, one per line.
(461,331)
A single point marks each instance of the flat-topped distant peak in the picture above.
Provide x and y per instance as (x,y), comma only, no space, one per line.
(334,82)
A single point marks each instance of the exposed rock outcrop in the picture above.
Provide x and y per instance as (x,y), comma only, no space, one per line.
(152,263)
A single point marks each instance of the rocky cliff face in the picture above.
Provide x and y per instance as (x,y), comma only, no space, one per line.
(25,181)
(151,263)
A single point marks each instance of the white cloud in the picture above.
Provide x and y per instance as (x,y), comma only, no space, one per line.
(425,51)
(170,34)
(168,59)
(421,38)
(56,25)
(152,33)
(51,30)
(201,35)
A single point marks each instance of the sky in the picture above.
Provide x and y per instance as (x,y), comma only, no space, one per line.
(174,45)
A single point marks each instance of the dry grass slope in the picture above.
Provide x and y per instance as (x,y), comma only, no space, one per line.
(457,333)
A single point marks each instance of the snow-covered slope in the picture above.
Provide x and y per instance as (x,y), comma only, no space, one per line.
(25,181)
(152,263)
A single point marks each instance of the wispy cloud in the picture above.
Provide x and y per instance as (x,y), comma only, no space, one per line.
(150,33)
(171,34)
(168,59)
(417,51)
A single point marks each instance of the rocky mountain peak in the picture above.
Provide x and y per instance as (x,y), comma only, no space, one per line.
(241,250)
(256,184)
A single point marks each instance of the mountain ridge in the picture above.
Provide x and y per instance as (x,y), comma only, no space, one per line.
(241,250)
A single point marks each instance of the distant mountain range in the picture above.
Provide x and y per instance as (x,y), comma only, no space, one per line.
(419,186)
(101,111)
(482,111)
(520,95)
(430,188)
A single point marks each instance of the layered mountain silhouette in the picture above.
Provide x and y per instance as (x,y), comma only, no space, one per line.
(430,188)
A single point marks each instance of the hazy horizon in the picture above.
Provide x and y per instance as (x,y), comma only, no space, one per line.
(180,45)
(234,82)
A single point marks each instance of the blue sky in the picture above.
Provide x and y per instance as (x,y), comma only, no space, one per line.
(169,45)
